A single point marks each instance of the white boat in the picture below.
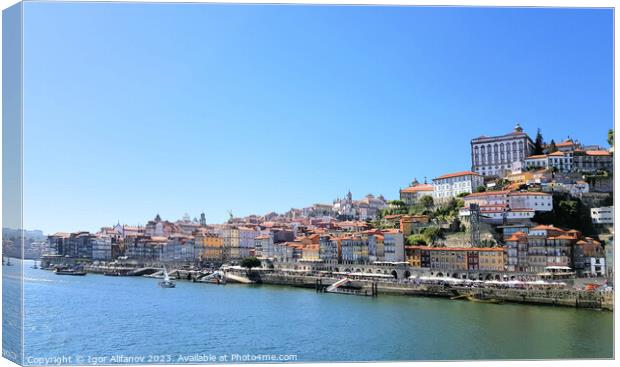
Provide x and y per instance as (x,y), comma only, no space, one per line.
(166,283)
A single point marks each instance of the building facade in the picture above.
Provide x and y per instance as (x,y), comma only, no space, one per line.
(602,215)
(492,156)
(451,185)
(413,193)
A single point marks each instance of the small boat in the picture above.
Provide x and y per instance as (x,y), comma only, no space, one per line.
(69,271)
(482,299)
(167,283)
(35,265)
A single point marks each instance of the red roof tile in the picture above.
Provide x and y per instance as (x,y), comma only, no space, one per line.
(458,174)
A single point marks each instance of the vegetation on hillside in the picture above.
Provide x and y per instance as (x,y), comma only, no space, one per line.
(568,213)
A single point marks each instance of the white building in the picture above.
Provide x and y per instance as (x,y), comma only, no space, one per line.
(246,241)
(496,206)
(102,248)
(453,184)
(575,189)
(393,246)
(537,201)
(561,161)
(494,155)
(602,215)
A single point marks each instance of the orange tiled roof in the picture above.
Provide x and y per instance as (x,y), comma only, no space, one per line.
(537,156)
(418,188)
(476,194)
(457,174)
(530,193)
(546,227)
(597,152)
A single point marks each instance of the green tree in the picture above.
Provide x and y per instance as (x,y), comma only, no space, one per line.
(568,213)
(538,143)
(250,262)
(416,240)
(432,233)
(552,148)
(427,201)
(481,188)
(501,184)
(610,137)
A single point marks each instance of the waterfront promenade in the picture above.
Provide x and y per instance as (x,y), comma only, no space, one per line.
(551,293)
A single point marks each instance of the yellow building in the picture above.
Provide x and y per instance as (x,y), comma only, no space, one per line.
(310,252)
(209,246)
(413,256)
(491,259)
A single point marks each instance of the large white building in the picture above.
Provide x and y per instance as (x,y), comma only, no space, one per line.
(451,185)
(602,215)
(494,155)
(508,205)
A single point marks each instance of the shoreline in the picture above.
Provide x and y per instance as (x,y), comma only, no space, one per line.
(361,287)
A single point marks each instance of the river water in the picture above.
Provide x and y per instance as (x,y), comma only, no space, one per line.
(107,317)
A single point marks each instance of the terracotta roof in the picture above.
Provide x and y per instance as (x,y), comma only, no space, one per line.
(537,156)
(530,193)
(418,188)
(457,174)
(517,236)
(565,143)
(557,154)
(545,227)
(597,152)
(486,193)
(393,216)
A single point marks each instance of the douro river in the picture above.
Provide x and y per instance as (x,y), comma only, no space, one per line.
(100,319)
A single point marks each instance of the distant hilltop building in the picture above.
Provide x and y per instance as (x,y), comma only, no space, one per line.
(493,155)
(365,208)
(410,195)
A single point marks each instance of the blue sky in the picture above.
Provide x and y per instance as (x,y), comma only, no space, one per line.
(136,109)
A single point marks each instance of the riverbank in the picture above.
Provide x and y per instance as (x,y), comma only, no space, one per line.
(554,297)
(566,297)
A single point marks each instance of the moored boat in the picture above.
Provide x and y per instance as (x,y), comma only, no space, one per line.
(167,282)
(60,271)
(475,298)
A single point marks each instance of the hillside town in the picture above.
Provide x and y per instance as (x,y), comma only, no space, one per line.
(525,208)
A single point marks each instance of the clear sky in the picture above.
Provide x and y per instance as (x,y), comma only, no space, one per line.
(136,109)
